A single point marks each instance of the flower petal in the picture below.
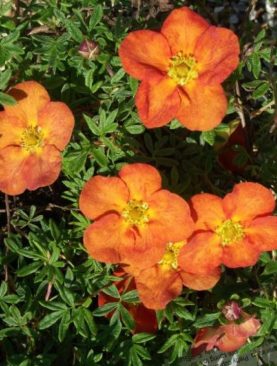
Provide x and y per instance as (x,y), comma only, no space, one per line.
(263,233)
(207,107)
(201,282)
(31,97)
(182,28)
(42,169)
(142,180)
(158,102)
(240,254)
(145,319)
(217,53)
(170,217)
(229,343)
(202,254)
(12,180)
(246,328)
(146,250)
(106,237)
(20,170)
(11,129)
(206,339)
(101,195)
(207,210)
(57,122)
(145,54)
(157,287)
(247,201)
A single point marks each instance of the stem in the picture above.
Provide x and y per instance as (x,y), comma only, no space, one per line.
(239,106)
(262,109)
(17,7)
(48,292)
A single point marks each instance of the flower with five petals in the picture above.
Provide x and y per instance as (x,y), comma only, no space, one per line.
(232,231)
(33,132)
(133,217)
(181,69)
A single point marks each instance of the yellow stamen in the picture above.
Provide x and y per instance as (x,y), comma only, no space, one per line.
(183,68)
(170,258)
(31,139)
(135,213)
(230,232)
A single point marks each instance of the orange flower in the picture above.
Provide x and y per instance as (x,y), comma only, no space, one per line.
(233,230)
(228,337)
(145,319)
(134,217)
(32,135)
(181,69)
(161,283)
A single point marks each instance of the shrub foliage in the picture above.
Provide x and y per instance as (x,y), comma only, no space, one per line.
(48,295)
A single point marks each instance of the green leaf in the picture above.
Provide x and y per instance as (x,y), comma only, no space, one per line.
(142,352)
(135,129)
(50,319)
(143,337)
(255,62)
(184,313)
(207,320)
(29,269)
(3,289)
(134,358)
(261,302)
(208,136)
(89,321)
(118,76)
(270,268)
(55,230)
(261,90)
(6,99)
(96,17)
(111,291)
(53,305)
(66,295)
(100,157)
(92,125)
(130,296)
(127,318)
(261,35)
(248,347)
(64,325)
(8,332)
(4,78)
(268,319)
(105,309)
(74,162)
(169,343)
(74,31)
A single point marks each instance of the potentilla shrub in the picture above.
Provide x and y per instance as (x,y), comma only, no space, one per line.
(138,181)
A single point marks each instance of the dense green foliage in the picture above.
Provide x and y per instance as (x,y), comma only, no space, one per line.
(48,294)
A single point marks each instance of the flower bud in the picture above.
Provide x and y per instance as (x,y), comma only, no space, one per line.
(89,49)
(232,311)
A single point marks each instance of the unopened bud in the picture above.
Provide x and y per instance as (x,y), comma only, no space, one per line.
(89,49)
(232,311)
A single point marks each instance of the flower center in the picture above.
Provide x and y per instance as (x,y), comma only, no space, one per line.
(135,213)
(170,258)
(230,232)
(183,68)
(31,139)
